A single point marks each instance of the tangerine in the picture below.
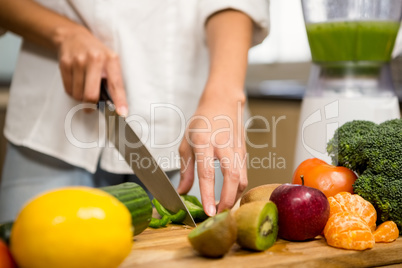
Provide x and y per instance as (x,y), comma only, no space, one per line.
(386,232)
(355,204)
(349,231)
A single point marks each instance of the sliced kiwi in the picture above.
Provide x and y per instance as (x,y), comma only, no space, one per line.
(257,225)
(259,193)
(215,236)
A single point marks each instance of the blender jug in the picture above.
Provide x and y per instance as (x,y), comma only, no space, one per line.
(351,42)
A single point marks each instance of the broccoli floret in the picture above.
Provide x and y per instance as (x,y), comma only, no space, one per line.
(345,148)
(375,153)
(385,193)
(383,149)
(391,124)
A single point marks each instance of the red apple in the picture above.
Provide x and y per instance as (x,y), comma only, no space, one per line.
(303,211)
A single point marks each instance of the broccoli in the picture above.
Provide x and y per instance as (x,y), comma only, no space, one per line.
(345,148)
(383,149)
(385,193)
(374,152)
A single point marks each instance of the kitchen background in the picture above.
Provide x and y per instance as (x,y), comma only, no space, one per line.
(276,80)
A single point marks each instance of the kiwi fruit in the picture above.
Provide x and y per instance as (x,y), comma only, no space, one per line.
(215,236)
(259,193)
(257,225)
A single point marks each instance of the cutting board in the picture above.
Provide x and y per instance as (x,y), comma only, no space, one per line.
(169,247)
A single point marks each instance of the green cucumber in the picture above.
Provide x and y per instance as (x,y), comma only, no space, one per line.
(134,197)
(5,231)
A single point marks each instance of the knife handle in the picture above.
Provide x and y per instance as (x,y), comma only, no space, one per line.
(104,92)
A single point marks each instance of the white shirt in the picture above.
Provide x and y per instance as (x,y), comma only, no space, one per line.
(164,60)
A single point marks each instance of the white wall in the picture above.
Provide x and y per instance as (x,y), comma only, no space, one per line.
(287,41)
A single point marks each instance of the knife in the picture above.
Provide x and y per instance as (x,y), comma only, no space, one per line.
(128,144)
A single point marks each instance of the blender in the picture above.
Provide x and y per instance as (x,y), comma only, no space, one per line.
(351,42)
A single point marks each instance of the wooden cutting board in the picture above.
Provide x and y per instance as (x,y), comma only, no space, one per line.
(169,247)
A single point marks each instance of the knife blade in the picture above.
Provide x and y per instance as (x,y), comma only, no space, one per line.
(129,146)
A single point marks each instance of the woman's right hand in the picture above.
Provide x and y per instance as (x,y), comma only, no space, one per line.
(84,61)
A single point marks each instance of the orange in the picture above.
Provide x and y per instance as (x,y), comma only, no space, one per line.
(354,204)
(72,227)
(349,231)
(386,232)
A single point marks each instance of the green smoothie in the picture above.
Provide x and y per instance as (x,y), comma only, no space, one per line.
(352,40)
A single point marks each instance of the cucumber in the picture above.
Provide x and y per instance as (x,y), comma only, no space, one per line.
(5,231)
(134,197)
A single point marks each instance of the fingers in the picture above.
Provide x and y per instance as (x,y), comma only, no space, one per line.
(78,78)
(234,177)
(186,168)
(209,141)
(66,71)
(242,184)
(93,79)
(242,163)
(206,174)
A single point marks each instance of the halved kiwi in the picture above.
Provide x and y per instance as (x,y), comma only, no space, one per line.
(259,193)
(257,225)
(215,236)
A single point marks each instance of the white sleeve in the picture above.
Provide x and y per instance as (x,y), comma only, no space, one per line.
(257,10)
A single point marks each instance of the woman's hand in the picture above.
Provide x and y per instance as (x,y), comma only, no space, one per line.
(215,132)
(84,60)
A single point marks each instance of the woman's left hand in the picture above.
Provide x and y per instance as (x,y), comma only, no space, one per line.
(215,132)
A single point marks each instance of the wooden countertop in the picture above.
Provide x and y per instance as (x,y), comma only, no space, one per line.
(169,247)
